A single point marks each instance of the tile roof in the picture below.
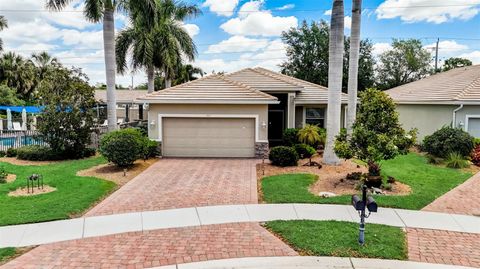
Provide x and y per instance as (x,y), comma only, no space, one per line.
(310,93)
(246,85)
(455,86)
(210,89)
(123,96)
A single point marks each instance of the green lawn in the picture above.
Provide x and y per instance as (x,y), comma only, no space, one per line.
(340,239)
(427,181)
(74,194)
(6,253)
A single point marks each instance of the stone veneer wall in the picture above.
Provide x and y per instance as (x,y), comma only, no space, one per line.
(261,150)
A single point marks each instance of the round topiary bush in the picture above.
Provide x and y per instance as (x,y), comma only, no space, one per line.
(304,150)
(283,156)
(122,147)
(447,140)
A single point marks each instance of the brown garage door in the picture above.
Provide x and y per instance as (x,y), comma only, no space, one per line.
(208,137)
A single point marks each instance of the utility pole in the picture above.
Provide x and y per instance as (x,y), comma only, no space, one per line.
(436,55)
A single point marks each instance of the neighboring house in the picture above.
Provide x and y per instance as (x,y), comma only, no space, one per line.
(448,98)
(233,115)
(127,109)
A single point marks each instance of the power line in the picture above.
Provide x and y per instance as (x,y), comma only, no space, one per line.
(256,11)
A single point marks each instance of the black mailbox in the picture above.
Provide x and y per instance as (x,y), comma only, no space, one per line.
(371,204)
(357,203)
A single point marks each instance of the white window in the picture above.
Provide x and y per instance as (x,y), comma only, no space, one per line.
(315,116)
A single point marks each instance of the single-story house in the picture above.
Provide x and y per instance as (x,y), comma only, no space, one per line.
(447,98)
(233,115)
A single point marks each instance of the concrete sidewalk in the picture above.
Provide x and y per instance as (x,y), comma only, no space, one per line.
(56,231)
(308,262)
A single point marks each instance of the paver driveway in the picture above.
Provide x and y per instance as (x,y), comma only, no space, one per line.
(169,183)
(178,183)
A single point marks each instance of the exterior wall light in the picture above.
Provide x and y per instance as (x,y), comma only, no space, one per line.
(264,124)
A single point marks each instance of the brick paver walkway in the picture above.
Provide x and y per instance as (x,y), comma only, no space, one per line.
(178,183)
(444,247)
(464,199)
(154,248)
(449,247)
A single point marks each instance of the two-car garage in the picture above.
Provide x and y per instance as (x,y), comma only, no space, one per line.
(208,137)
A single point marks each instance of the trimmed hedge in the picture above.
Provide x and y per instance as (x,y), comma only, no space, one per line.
(447,140)
(11,152)
(283,156)
(36,153)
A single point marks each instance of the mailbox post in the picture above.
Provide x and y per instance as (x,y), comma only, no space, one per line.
(361,205)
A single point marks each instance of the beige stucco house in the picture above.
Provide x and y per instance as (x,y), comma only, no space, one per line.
(448,98)
(233,115)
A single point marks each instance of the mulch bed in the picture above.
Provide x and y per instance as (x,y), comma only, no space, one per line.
(113,173)
(331,178)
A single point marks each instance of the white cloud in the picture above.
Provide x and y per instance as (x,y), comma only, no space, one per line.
(238,44)
(249,7)
(269,57)
(447,47)
(328,12)
(286,7)
(221,7)
(83,39)
(379,48)
(348,22)
(473,56)
(261,23)
(432,11)
(192,29)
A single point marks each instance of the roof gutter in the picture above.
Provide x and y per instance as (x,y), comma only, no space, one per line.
(455,115)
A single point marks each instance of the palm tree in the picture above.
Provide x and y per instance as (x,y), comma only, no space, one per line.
(43,61)
(161,46)
(3,25)
(18,73)
(103,11)
(186,73)
(353,64)
(335,72)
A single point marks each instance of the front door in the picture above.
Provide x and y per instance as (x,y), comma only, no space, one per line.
(276,125)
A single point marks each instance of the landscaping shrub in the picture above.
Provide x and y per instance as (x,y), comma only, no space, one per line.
(283,156)
(122,147)
(11,152)
(312,135)
(475,156)
(476,142)
(290,137)
(3,176)
(304,150)
(2,153)
(456,160)
(447,140)
(433,159)
(150,148)
(36,153)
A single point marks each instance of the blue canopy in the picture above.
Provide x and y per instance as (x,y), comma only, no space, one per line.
(29,109)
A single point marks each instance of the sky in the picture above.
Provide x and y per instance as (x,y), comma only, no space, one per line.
(234,34)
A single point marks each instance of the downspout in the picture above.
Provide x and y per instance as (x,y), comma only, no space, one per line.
(455,115)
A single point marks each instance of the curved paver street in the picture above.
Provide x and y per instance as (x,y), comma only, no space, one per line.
(123,232)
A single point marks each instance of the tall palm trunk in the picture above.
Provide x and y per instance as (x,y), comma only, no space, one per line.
(353,64)
(110,66)
(151,79)
(168,80)
(335,72)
